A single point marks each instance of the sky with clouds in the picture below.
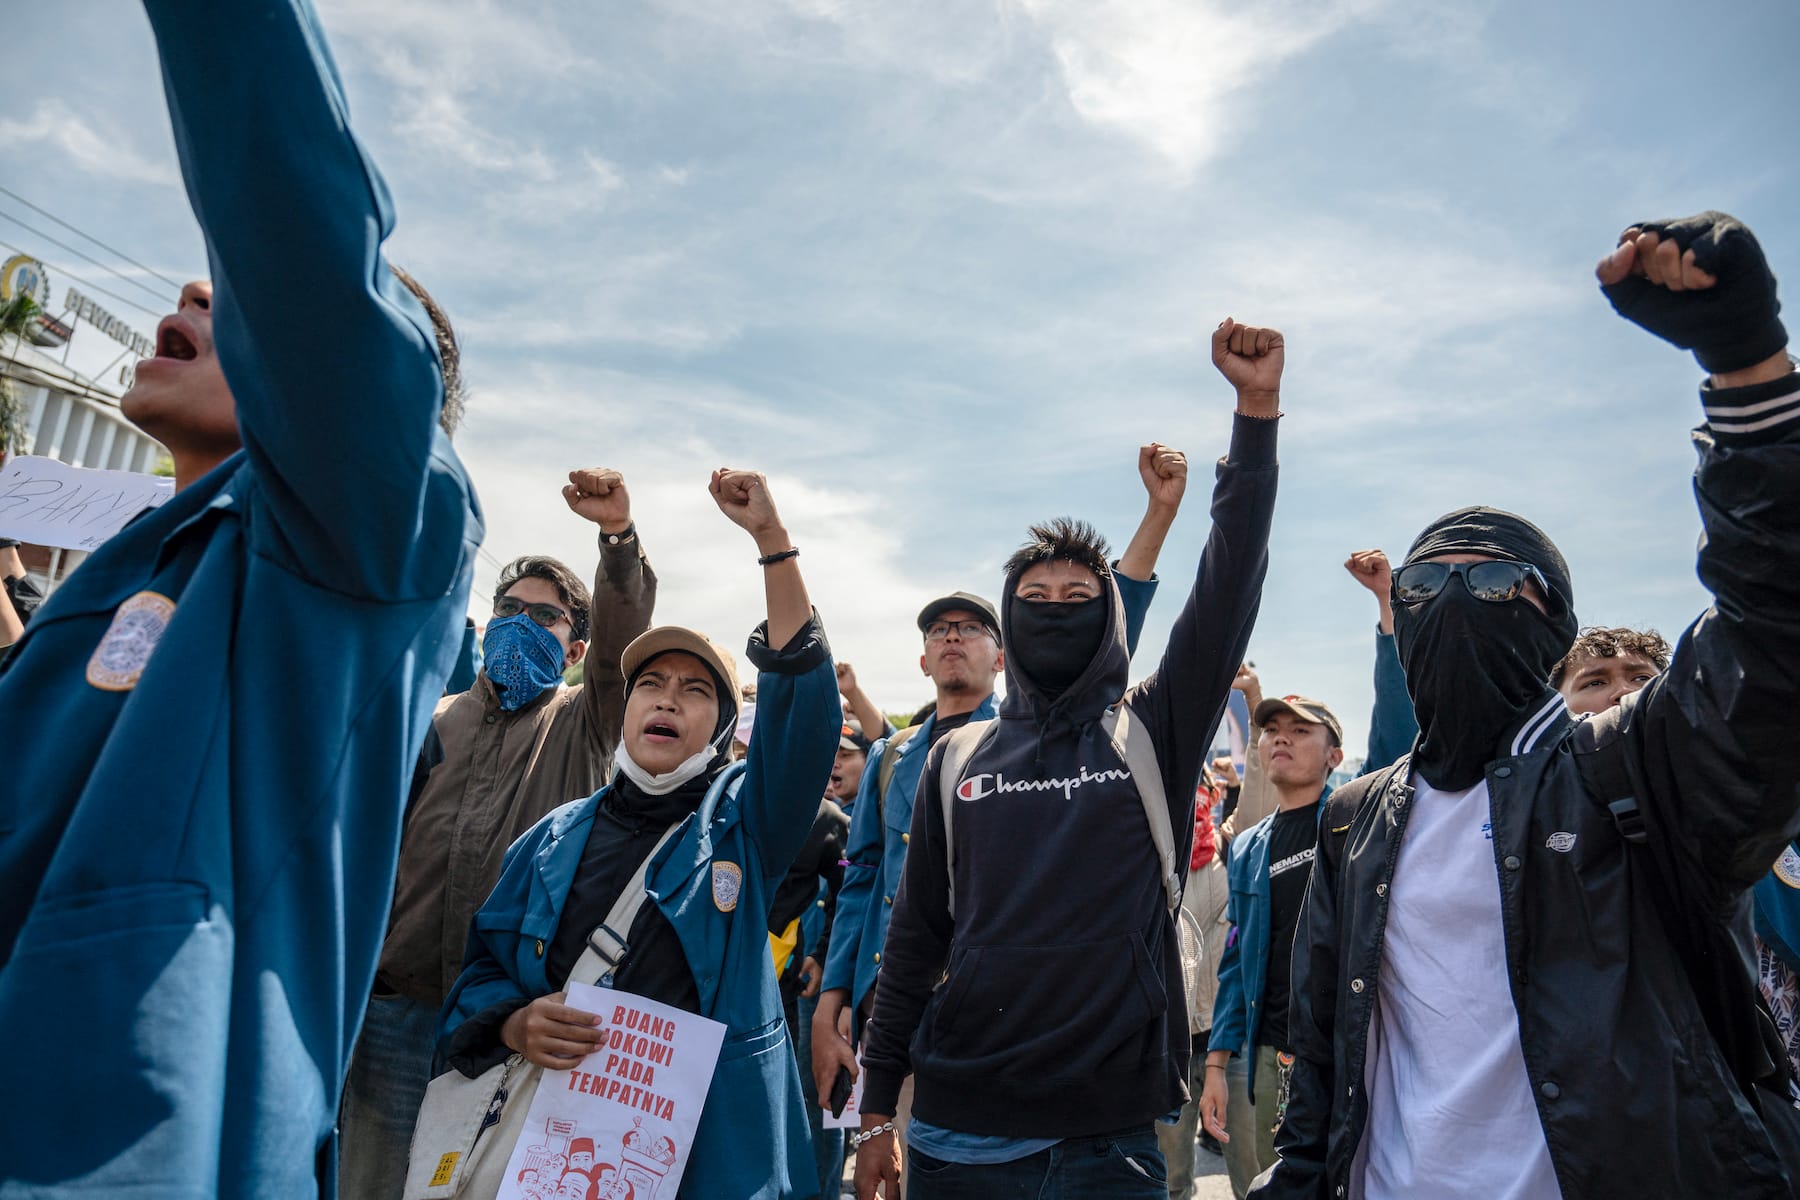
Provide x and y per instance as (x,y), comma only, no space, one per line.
(940,268)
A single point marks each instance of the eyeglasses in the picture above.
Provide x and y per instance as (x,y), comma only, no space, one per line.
(1495,581)
(968,631)
(546,615)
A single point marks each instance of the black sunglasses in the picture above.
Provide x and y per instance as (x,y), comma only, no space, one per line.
(1495,581)
(546,615)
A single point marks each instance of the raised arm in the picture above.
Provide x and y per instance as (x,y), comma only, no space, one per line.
(624,596)
(331,361)
(1183,700)
(1164,473)
(1710,740)
(1392,726)
(798,715)
(868,714)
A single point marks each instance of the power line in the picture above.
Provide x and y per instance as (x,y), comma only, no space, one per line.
(90,258)
(90,237)
(89,285)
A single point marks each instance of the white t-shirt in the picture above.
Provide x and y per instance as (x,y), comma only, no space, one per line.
(1451,1113)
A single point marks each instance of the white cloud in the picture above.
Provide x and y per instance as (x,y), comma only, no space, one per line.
(1162,71)
(706,567)
(98,151)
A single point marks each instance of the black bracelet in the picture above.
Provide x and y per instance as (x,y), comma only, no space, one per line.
(769,560)
(624,535)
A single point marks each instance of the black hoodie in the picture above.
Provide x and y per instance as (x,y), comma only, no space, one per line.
(1059,1013)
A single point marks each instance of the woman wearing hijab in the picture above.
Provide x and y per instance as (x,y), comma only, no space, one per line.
(699,943)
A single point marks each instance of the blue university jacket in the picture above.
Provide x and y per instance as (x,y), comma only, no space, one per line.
(1244,966)
(878,832)
(210,727)
(1775,903)
(753,1139)
(1392,726)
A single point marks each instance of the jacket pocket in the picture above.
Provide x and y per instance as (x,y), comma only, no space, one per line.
(63,920)
(1053,1012)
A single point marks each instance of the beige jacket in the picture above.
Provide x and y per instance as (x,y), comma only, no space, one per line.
(1204,901)
(500,773)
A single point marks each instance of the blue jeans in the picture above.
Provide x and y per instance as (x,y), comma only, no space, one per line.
(827,1144)
(1120,1167)
(388,1072)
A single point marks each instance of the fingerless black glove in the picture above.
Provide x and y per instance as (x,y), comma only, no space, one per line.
(1734,324)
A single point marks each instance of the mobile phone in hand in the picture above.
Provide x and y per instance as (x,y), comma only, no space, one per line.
(840,1092)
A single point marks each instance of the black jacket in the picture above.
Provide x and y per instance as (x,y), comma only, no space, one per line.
(1624,931)
(821,858)
(1055,1016)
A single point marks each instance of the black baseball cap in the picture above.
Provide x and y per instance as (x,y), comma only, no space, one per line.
(967,601)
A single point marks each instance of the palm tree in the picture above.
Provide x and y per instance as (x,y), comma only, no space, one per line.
(17,317)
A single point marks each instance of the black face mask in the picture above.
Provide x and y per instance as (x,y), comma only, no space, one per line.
(1055,641)
(1473,668)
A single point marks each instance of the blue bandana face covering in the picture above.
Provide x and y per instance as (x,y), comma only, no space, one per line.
(521,658)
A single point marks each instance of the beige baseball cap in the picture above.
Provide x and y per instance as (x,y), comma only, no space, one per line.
(1305,709)
(665,638)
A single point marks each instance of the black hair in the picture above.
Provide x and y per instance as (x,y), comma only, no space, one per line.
(1064,539)
(450,356)
(569,587)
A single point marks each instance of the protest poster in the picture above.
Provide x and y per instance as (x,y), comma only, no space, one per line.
(620,1125)
(49,503)
(851,1117)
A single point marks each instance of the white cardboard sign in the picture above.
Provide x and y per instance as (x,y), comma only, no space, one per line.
(621,1125)
(49,503)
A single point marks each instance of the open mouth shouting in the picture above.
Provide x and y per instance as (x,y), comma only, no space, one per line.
(660,731)
(177,342)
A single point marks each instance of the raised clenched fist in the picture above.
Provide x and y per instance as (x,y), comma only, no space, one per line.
(744,497)
(1701,283)
(1251,359)
(598,494)
(1371,569)
(1164,471)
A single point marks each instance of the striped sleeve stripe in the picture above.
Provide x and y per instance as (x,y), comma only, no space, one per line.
(1750,418)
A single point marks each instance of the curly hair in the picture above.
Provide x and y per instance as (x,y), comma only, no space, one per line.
(1598,641)
(1064,539)
(567,583)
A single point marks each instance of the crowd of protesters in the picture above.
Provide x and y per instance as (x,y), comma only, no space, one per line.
(1545,945)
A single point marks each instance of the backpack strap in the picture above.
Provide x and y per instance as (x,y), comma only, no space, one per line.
(606,945)
(959,748)
(1131,738)
(890,760)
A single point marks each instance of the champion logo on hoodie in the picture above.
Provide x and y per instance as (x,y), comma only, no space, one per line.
(980,787)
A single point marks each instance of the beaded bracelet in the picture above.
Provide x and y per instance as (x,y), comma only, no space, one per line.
(869,1135)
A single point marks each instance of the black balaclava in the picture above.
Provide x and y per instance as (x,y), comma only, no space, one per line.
(1473,667)
(1055,641)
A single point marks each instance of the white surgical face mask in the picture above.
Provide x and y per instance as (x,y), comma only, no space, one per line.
(691,767)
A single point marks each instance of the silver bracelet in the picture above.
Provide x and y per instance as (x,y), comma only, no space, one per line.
(857,1139)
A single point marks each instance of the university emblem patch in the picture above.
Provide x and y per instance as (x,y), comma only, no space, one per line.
(728,882)
(1787,867)
(129,641)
